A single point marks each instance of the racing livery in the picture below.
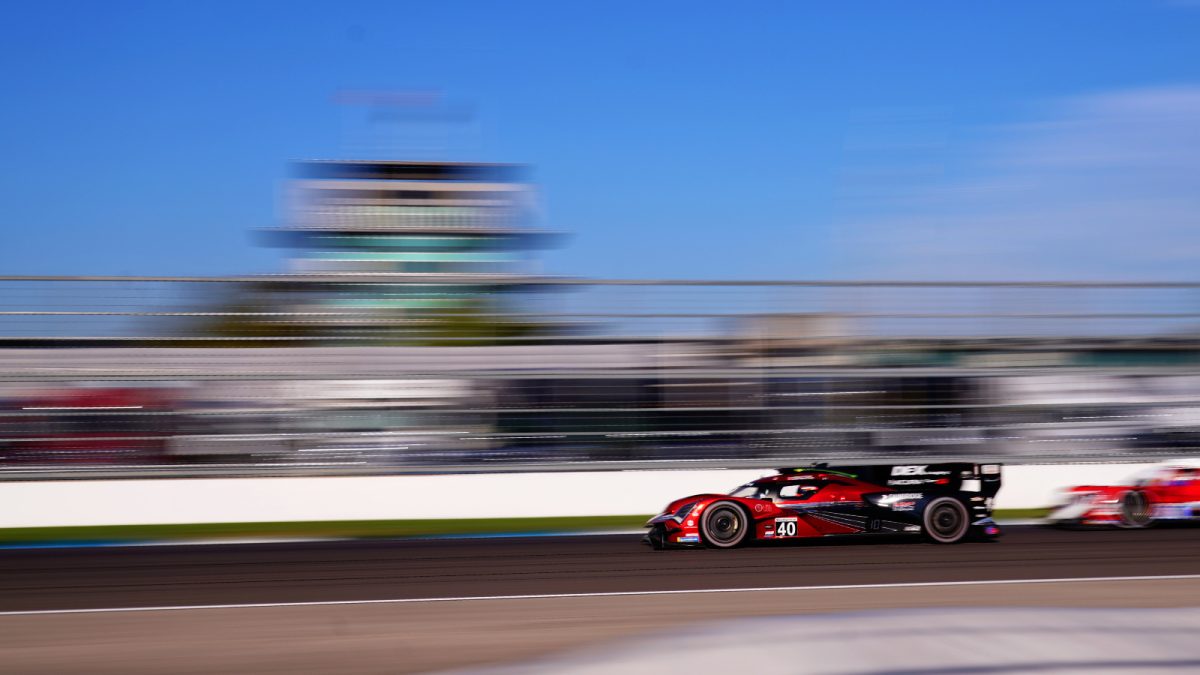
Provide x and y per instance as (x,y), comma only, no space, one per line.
(1170,491)
(945,503)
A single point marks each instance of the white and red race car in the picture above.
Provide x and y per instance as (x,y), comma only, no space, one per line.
(1167,492)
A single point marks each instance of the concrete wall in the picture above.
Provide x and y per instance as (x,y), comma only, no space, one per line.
(103,502)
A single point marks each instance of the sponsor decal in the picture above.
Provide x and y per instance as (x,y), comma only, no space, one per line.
(900,501)
(689,539)
(758,508)
(990,469)
(912,528)
(1173,511)
(916,470)
(912,481)
(691,523)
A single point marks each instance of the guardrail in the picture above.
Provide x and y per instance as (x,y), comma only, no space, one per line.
(174,376)
(383,308)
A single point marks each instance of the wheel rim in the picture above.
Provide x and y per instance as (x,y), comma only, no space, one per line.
(724,525)
(946,521)
(1134,509)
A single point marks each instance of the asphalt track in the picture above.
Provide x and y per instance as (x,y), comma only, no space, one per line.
(168,576)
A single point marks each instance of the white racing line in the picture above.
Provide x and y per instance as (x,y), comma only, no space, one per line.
(611,594)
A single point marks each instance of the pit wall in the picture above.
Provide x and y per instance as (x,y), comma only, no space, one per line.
(513,495)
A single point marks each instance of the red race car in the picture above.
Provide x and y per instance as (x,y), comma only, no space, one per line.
(946,503)
(1170,491)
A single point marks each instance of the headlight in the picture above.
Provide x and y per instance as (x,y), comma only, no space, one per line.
(682,511)
(1070,497)
(1066,496)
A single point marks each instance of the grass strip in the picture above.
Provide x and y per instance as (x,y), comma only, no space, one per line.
(349,529)
(1019,514)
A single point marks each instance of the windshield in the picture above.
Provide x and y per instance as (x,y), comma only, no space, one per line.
(1144,477)
(1162,476)
(752,491)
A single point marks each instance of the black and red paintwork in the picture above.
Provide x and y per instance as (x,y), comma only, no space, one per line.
(944,502)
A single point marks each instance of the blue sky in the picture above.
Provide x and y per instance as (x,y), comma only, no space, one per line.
(672,139)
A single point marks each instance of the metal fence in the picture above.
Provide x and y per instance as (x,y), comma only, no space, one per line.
(339,309)
(121,377)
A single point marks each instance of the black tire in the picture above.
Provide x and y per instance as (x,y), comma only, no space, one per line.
(946,521)
(1135,510)
(656,538)
(724,525)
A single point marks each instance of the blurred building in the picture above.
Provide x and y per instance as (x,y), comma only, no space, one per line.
(794,340)
(408,217)
(393,248)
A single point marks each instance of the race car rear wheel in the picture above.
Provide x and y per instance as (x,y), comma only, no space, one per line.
(1135,510)
(724,525)
(946,521)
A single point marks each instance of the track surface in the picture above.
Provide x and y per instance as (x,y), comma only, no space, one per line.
(50,579)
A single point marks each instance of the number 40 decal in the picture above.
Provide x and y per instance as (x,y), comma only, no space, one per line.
(785,528)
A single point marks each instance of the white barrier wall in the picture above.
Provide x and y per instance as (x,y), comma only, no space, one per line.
(219,500)
(216,500)
(1036,485)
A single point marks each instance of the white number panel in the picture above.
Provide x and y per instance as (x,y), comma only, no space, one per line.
(785,527)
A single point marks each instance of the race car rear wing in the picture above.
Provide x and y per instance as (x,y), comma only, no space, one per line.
(981,479)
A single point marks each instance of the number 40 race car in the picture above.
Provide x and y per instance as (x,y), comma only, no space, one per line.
(946,503)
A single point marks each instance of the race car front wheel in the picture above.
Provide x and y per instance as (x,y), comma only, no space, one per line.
(656,538)
(946,521)
(1135,510)
(724,525)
